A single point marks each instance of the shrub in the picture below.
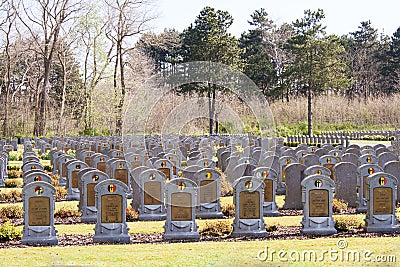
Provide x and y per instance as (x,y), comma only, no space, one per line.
(13,183)
(12,174)
(339,205)
(216,228)
(13,168)
(11,196)
(226,187)
(14,156)
(271,227)
(348,222)
(48,168)
(12,212)
(45,156)
(9,232)
(131,214)
(65,212)
(61,193)
(228,210)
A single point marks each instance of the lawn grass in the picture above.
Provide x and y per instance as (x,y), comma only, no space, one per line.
(246,253)
(369,142)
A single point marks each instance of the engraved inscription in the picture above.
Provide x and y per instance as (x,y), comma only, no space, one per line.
(152,193)
(91,194)
(39,211)
(74,179)
(383,200)
(167,173)
(111,208)
(181,207)
(101,166)
(249,205)
(121,175)
(208,192)
(268,190)
(319,203)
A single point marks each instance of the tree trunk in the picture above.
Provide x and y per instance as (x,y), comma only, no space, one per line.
(309,102)
(121,101)
(211,106)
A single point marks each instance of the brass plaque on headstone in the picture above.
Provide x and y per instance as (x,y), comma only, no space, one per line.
(208,191)
(111,208)
(87,161)
(39,211)
(181,207)
(135,164)
(330,167)
(74,179)
(283,173)
(318,203)
(64,170)
(174,170)
(268,190)
(249,203)
(365,186)
(91,200)
(167,173)
(101,166)
(383,200)
(121,175)
(152,193)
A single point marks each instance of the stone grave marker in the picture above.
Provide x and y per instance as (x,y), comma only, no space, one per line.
(62,168)
(381,203)
(244,169)
(165,166)
(354,151)
(151,195)
(393,168)
(176,162)
(89,178)
(309,160)
(209,192)
(134,160)
(317,169)
(367,159)
(329,162)
(362,174)
(321,152)
(317,197)
(73,168)
(119,170)
(206,163)
(385,157)
(37,176)
(99,161)
(38,204)
(248,201)
(346,182)
(136,186)
(350,157)
(32,166)
(111,224)
(283,162)
(336,153)
(181,200)
(295,174)
(270,177)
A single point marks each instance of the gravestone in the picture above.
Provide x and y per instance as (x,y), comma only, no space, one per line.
(346,182)
(248,201)
(244,169)
(354,151)
(317,169)
(350,157)
(181,200)
(165,166)
(89,178)
(118,169)
(295,174)
(151,195)
(208,196)
(136,186)
(317,197)
(385,157)
(336,153)
(329,162)
(321,152)
(73,168)
(381,203)
(111,224)
(38,204)
(206,163)
(135,160)
(270,177)
(362,174)
(99,161)
(189,172)
(309,160)
(367,159)
(176,162)
(283,162)
(393,168)
(270,162)
(37,176)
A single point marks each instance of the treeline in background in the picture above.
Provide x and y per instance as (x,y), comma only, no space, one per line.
(69,67)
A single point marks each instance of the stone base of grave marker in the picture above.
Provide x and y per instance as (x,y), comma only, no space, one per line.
(108,234)
(150,216)
(186,230)
(208,212)
(248,229)
(89,215)
(382,224)
(318,226)
(270,209)
(39,235)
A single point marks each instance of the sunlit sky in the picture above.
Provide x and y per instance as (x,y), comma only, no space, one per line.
(341,16)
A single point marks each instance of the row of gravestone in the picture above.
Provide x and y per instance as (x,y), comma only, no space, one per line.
(357,135)
(320,139)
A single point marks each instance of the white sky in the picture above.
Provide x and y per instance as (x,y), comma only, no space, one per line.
(341,17)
